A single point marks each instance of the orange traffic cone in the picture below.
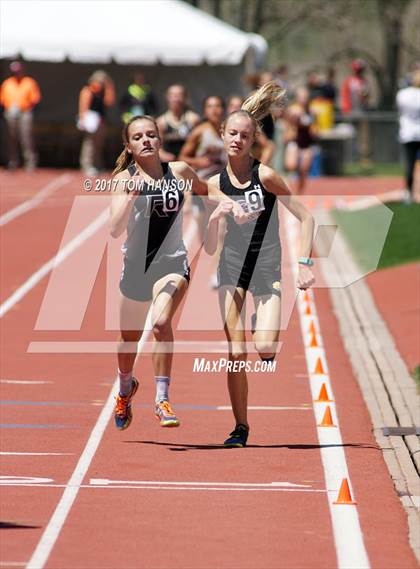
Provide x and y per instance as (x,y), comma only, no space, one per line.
(313,343)
(327,419)
(323,395)
(308,310)
(312,328)
(319,367)
(344,495)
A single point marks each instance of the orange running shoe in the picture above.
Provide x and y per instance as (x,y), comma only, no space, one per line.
(123,413)
(165,414)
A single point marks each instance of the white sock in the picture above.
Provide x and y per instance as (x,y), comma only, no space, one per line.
(125,382)
(162,387)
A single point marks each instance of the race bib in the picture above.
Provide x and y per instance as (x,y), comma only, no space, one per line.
(255,199)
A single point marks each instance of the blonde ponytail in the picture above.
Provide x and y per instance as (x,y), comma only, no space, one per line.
(258,104)
(123,161)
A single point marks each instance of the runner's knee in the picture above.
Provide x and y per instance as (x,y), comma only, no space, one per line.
(128,341)
(237,351)
(162,328)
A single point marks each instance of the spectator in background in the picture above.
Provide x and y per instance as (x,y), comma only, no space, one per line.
(406,81)
(300,138)
(138,99)
(408,103)
(176,123)
(281,77)
(321,95)
(19,95)
(355,95)
(94,99)
(204,151)
(355,89)
(314,85)
(329,89)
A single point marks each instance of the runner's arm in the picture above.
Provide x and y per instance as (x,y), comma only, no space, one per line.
(121,205)
(211,239)
(276,185)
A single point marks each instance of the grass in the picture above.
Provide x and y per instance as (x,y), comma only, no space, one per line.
(415,374)
(366,232)
(373,169)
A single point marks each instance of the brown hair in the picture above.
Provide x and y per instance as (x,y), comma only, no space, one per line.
(259,103)
(125,158)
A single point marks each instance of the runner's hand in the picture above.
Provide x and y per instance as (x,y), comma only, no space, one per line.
(239,213)
(305,277)
(222,209)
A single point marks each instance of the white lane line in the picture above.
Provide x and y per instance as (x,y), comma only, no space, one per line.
(56,522)
(107,482)
(67,250)
(4,453)
(174,488)
(265,408)
(98,347)
(24,381)
(348,537)
(19,480)
(22,208)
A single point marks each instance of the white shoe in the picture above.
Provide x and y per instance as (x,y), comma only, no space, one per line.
(407,197)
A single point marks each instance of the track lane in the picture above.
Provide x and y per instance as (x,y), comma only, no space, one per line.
(292,441)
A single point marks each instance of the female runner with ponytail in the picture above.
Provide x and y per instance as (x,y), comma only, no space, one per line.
(251,254)
(156,270)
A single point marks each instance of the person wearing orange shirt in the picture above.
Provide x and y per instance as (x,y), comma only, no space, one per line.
(19,94)
(94,99)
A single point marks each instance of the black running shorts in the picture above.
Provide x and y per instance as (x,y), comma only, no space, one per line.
(137,284)
(258,273)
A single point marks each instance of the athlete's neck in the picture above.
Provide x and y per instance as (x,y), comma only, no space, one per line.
(176,113)
(240,167)
(215,126)
(150,167)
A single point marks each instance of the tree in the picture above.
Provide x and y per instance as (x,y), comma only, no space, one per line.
(374,30)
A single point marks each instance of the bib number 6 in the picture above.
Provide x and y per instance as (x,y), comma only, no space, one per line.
(170,200)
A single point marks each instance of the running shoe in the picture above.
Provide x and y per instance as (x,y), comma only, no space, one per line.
(123,413)
(238,437)
(165,414)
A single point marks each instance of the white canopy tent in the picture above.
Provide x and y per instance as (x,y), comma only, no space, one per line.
(144,32)
(64,41)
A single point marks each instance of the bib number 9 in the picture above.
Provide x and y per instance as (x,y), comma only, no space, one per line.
(255,200)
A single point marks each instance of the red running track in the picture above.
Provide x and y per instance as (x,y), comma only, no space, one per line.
(51,403)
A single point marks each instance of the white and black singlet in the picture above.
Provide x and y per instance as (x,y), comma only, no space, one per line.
(154,246)
(251,254)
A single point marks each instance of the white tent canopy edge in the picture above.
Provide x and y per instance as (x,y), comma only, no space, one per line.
(145,32)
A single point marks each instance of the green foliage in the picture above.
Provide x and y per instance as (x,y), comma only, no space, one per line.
(415,374)
(306,34)
(373,169)
(402,243)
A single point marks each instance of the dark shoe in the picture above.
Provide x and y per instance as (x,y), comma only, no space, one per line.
(238,437)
